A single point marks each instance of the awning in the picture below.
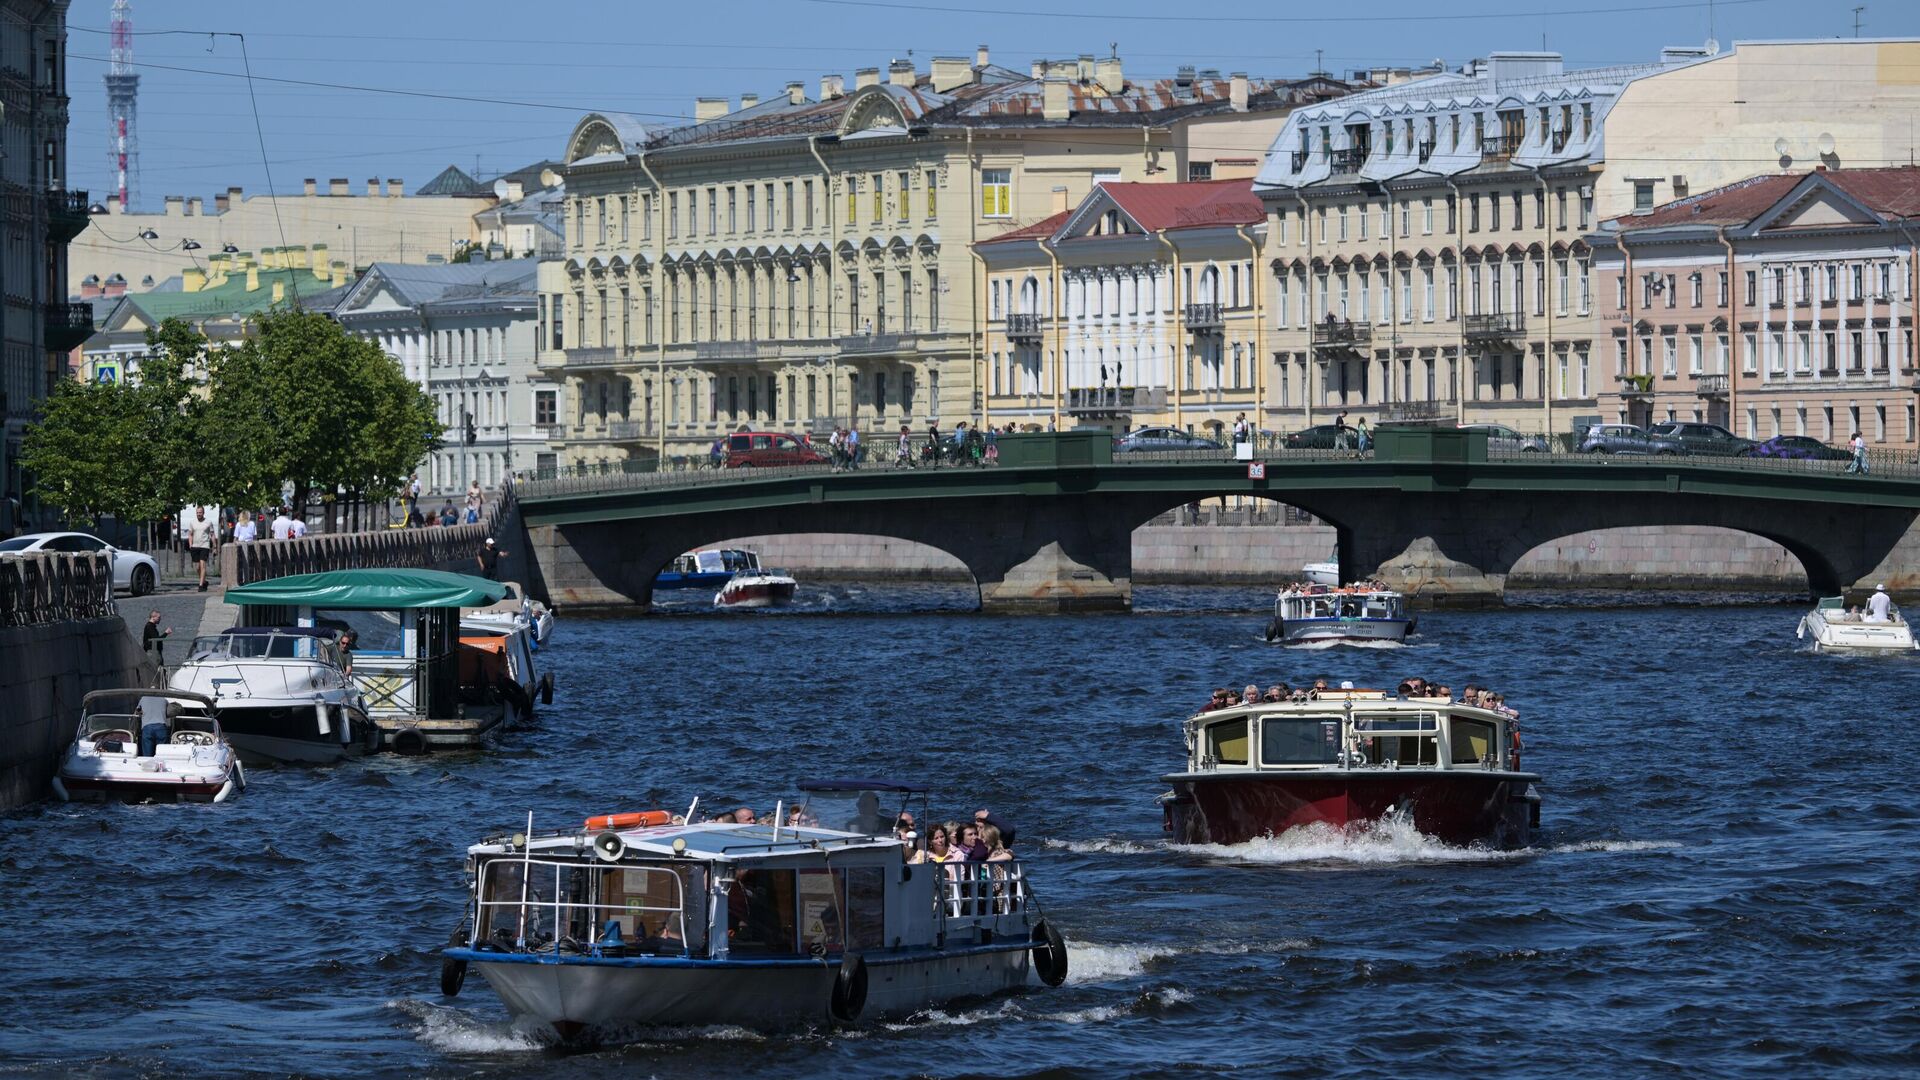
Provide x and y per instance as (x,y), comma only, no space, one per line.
(370,590)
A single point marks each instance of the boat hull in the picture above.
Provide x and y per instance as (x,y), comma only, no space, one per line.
(755,593)
(1321,573)
(1308,631)
(1856,637)
(585,1000)
(94,789)
(260,736)
(1462,806)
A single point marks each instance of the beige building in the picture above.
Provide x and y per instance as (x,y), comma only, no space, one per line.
(799,262)
(379,224)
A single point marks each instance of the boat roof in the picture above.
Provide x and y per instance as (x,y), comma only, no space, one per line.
(868,784)
(294,631)
(1339,590)
(1362,702)
(201,700)
(371,590)
(712,841)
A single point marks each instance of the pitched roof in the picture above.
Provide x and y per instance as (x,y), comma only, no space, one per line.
(1892,193)
(427,283)
(453,181)
(1197,204)
(1039,230)
(231,297)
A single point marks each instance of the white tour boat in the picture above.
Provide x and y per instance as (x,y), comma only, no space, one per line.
(632,920)
(1835,629)
(143,745)
(1321,573)
(283,693)
(517,609)
(1326,613)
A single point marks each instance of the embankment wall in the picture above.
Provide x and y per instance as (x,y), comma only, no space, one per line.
(45,670)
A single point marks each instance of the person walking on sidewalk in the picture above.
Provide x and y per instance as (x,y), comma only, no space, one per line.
(152,642)
(489,560)
(200,542)
(282,524)
(474,501)
(1859,447)
(244,530)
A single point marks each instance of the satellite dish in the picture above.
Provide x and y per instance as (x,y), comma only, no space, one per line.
(1825,143)
(549,178)
(1780,146)
(500,189)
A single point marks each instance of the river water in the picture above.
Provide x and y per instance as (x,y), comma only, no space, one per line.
(1726,882)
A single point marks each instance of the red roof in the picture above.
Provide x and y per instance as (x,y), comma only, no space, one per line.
(1195,205)
(1039,230)
(1892,193)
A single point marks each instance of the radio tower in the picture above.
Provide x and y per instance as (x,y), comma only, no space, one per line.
(123,90)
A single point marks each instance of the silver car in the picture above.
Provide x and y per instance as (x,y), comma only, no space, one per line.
(1502,437)
(132,571)
(1627,439)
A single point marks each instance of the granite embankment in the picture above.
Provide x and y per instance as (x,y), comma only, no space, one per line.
(1693,558)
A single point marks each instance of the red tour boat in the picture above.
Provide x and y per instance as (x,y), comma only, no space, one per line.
(1351,756)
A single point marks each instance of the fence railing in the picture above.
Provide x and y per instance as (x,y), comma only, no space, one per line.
(49,587)
(435,547)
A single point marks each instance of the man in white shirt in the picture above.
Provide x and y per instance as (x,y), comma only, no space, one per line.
(282,525)
(1879,604)
(202,538)
(296,528)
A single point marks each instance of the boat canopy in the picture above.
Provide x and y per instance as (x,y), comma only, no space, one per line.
(371,590)
(1831,603)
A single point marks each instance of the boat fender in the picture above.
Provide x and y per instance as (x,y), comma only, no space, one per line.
(225,791)
(409,742)
(60,790)
(546,688)
(1275,628)
(641,820)
(1049,954)
(453,973)
(849,989)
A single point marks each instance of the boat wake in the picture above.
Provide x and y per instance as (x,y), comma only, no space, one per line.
(1387,842)
(1102,846)
(455,1032)
(1369,643)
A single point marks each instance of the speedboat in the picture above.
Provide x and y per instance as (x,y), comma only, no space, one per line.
(147,745)
(1347,757)
(1835,629)
(1323,613)
(637,919)
(1321,573)
(283,693)
(516,609)
(703,569)
(753,587)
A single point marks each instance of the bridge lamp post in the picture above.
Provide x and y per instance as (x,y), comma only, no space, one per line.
(833,376)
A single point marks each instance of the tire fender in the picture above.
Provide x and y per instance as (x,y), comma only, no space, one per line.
(453,975)
(1049,954)
(1275,628)
(546,688)
(849,998)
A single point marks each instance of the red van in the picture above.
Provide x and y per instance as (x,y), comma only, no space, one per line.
(765,449)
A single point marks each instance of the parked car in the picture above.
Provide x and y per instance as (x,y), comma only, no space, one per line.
(767,449)
(1627,439)
(1703,438)
(1502,437)
(132,571)
(1798,447)
(1161,438)
(1320,437)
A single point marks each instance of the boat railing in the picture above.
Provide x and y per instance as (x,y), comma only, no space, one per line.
(537,921)
(979,893)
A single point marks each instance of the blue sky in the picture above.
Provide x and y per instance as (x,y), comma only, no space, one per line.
(544,64)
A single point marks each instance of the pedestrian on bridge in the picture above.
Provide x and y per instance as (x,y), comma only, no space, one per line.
(1859,447)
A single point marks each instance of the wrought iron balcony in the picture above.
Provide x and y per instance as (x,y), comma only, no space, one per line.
(66,214)
(1496,326)
(1024,327)
(1341,335)
(1426,150)
(1299,159)
(556,432)
(68,326)
(1349,159)
(598,356)
(872,344)
(726,350)
(628,430)
(1498,147)
(1202,318)
(1709,386)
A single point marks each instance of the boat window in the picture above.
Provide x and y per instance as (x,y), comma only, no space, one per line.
(1299,740)
(760,913)
(1227,742)
(374,631)
(1474,741)
(1404,750)
(822,912)
(648,897)
(866,891)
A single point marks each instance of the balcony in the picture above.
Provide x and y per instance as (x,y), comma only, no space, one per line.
(628,430)
(1112,401)
(1348,160)
(1342,336)
(1299,159)
(875,344)
(597,357)
(1494,327)
(1499,147)
(1636,387)
(555,432)
(1202,318)
(726,350)
(1711,386)
(1025,328)
(68,326)
(66,214)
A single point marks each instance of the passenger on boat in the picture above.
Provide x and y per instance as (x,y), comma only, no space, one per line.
(976,851)
(1251,694)
(1218,701)
(955,834)
(1277,692)
(985,818)
(1319,686)
(938,850)
(348,639)
(1879,604)
(746,816)
(1233,699)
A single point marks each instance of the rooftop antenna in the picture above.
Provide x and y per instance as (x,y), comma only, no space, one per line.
(123,92)
(1856,19)
(1318,67)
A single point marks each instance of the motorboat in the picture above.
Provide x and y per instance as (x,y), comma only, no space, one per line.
(517,609)
(1321,573)
(631,920)
(149,745)
(1305,614)
(1835,629)
(705,569)
(1352,756)
(497,665)
(283,693)
(752,586)
(407,653)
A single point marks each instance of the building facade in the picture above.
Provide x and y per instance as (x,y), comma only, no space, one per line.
(465,332)
(39,216)
(1139,306)
(803,262)
(1779,305)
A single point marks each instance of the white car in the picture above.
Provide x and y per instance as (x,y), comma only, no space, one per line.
(132,571)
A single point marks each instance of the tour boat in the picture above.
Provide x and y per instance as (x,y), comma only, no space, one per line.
(637,919)
(517,609)
(1835,629)
(283,693)
(1352,756)
(1324,613)
(1321,573)
(149,745)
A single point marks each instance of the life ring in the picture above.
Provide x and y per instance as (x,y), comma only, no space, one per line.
(409,742)
(849,989)
(639,820)
(1049,954)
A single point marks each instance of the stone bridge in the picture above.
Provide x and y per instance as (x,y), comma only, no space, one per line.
(1434,512)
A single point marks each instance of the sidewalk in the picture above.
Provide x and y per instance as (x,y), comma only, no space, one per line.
(188,611)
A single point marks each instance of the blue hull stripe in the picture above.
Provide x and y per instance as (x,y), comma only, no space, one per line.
(875,958)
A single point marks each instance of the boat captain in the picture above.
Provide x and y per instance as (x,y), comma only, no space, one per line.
(1878,604)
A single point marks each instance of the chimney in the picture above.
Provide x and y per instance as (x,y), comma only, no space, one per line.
(708,109)
(337,186)
(1060,202)
(949,72)
(233,196)
(90,286)
(515,192)
(865,77)
(310,186)
(192,279)
(796,93)
(293,257)
(220,204)
(900,73)
(176,205)
(253,279)
(832,86)
(1055,99)
(279,290)
(113,203)
(980,57)
(319,255)
(1039,70)
(373,187)
(196,207)
(395,189)
(116,286)
(339,276)
(1083,68)
(748,101)
(1107,73)
(1237,90)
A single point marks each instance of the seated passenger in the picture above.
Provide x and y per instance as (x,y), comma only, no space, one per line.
(1444,693)
(1277,692)
(1251,694)
(1218,701)
(1233,698)
(746,816)
(1319,686)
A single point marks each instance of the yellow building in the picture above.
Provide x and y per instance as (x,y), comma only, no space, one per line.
(797,263)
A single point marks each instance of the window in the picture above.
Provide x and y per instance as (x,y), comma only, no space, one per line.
(853,199)
(752,208)
(1453,214)
(1199,170)
(932,182)
(1694,288)
(1493,213)
(1693,354)
(713,211)
(1673,291)
(623,219)
(646,217)
(1857,279)
(790,219)
(1753,288)
(1803,352)
(1406,219)
(546,407)
(1343,223)
(1669,365)
(1560,207)
(1226,743)
(879,197)
(733,210)
(1855,356)
(996,193)
(1473,213)
(807,190)
(1832,283)
(1406,296)
(673,215)
(1302,740)
(1426,287)
(1426,216)
(1643,194)
(1750,347)
(1720,355)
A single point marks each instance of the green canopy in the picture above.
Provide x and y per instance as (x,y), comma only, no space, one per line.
(370,590)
